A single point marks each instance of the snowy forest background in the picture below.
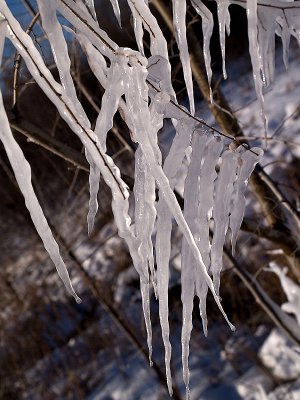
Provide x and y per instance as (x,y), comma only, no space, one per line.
(54,348)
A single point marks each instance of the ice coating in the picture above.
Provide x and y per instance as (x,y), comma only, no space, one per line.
(85,23)
(59,48)
(22,173)
(99,67)
(221,210)
(179,15)
(247,161)
(224,23)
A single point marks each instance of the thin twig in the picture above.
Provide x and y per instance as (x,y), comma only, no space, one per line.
(18,61)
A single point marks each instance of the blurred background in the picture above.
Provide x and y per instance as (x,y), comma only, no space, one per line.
(53,348)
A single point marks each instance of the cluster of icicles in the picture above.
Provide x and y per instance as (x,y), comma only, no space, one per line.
(130,80)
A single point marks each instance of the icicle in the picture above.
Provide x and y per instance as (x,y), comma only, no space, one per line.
(224,22)
(110,101)
(188,269)
(94,181)
(207,177)
(248,159)
(266,40)
(255,56)
(116,8)
(172,164)
(138,30)
(187,298)
(207,28)
(179,15)
(145,214)
(285,37)
(221,209)
(22,173)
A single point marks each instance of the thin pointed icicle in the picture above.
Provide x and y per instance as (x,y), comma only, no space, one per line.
(179,16)
(188,268)
(207,29)
(110,101)
(221,210)
(248,161)
(254,51)
(94,181)
(208,175)
(116,8)
(187,299)
(163,250)
(224,24)
(163,236)
(144,194)
(138,30)
(22,173)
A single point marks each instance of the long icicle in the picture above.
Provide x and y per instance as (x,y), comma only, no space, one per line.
(22,173)
(179,15)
